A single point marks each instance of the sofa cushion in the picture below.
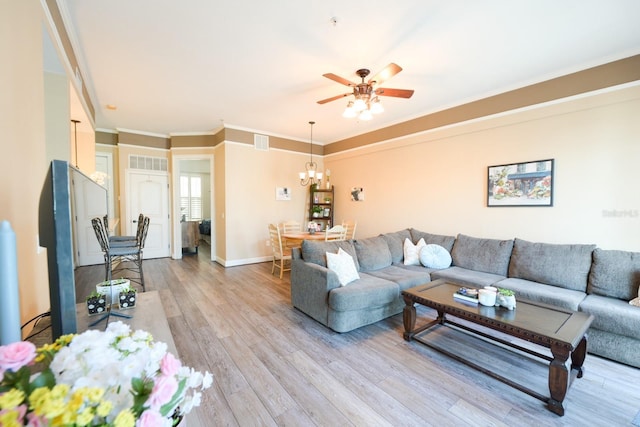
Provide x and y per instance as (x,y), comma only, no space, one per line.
(534,291)
(615,274)
(613,315)
(343,265)
(373,253)
(366,292)
(487,255)
(315,251)
(395,241)
(405,278)
(565,266)
(466,277)
(435,256)
(412,252)
(433,239)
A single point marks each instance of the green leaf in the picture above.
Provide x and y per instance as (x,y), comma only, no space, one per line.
(44,379)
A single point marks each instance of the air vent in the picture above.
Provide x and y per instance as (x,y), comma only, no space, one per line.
(261,142)
(148,163)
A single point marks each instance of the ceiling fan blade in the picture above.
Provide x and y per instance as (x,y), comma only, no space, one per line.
(339,79)
(398,93)
(385,74)
(333,98)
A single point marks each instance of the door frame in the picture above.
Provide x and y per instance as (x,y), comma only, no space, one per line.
(175,208)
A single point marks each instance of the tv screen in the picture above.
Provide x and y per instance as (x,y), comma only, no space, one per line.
(55,228)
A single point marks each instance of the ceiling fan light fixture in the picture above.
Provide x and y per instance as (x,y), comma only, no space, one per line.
(365,115)
(376,106)
(349,112)
(366,101)
(359,105)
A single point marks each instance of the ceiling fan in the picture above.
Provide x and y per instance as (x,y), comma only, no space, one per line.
(366,93)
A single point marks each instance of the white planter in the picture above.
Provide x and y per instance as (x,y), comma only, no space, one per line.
(113,291)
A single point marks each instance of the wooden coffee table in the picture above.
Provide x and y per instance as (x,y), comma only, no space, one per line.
(560,330)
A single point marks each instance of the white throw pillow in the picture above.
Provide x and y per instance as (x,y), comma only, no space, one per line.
(342,264)
(435,256)
(412,252)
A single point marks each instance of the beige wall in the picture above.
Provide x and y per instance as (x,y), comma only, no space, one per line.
(56,113)
(251,180)
(437,181)
(23,163)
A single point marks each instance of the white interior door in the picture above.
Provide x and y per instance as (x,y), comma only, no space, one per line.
(148,193)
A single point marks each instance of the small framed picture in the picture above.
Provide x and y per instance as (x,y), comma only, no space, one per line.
(357,194)
(283,193)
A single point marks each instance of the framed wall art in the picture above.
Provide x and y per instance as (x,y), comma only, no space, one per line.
(283,193)
(521,184)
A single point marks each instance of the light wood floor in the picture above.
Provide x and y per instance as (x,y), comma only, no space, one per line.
(273,365)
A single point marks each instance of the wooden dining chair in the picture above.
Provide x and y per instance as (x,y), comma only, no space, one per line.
(350,225)
(337,232)
(281,254)
(290,227)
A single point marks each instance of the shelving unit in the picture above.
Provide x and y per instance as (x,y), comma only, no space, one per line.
(321,199)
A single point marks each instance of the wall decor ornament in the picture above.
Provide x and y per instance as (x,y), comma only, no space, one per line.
(357,194)
(283,193)
(521,184)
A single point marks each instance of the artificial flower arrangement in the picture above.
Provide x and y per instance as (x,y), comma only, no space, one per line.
(113,378)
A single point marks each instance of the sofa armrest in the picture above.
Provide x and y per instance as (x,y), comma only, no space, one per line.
(310,287)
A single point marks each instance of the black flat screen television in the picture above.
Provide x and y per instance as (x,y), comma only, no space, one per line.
(55,229)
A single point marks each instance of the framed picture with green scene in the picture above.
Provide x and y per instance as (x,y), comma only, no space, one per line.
(521,184)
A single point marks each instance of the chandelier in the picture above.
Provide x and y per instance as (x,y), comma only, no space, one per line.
(311,176)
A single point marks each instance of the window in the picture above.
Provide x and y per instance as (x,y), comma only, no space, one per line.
(190,198)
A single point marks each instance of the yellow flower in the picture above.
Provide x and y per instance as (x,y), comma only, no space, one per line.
(11,399)
(85,417)
(104,408)
(94,394)
(9,419)
(124,419)
(38,399)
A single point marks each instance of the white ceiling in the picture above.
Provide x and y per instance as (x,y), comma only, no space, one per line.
(187,66)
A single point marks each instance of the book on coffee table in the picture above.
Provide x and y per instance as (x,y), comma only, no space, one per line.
(465,295)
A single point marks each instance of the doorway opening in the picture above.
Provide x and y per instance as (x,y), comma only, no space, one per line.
(193,204)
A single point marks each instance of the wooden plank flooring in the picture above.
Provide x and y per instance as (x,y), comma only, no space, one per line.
(274,366)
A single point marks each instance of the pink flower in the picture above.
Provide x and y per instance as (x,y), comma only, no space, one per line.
(150,418)
(16,355)
(35,421)
(162,392)
(169,365)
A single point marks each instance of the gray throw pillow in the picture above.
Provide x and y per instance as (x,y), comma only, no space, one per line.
(433,239)
(487,255)
(373,253)
(395,242)
(615,274)
(566,266)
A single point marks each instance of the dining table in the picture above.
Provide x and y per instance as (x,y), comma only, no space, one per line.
(294,239)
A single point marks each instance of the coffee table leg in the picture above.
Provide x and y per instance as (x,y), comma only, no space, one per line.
(408,318)
(558,379)
(578,356)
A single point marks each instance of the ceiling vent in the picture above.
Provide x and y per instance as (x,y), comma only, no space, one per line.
(261,142)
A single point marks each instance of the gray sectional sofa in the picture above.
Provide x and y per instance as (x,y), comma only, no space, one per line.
(575,276)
